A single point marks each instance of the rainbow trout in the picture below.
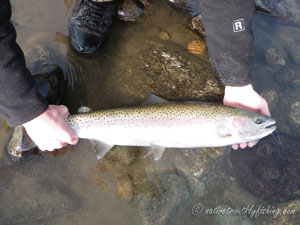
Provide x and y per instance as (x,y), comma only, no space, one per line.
(170,125)
(160,124)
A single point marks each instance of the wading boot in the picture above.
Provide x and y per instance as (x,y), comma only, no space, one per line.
(89,24)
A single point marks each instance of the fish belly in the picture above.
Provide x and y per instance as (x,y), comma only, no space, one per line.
(171,136)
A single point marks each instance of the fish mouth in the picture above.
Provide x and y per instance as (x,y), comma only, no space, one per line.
(269,126)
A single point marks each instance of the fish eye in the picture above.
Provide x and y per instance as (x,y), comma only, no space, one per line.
(258,121)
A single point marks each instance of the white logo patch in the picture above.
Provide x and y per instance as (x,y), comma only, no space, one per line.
(238,25)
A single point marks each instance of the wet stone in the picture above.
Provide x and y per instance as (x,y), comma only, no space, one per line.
(174,194)
(128,168)
(271,96)
(199,188)
(194,24)
(178,4)
(275,56)
(128,10)
(144,2)
(295,113)
(51,84)
(40,56)
(164,36)
(288,76)
(228,219)
(36,205)
(121,155)
(286,9)
(190,6)
(270,170)
(288,112)
(295,52)
(197,47)
(173,73)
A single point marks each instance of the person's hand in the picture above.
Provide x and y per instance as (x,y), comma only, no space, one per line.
(245,97)
(50,130)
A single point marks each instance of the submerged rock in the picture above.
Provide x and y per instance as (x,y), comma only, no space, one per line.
(231,219)
(288,112)
(194,24)
(270,170)
(295,113)
(173,73)
(176,74)
(43,201)
(295,52)
(197,47)
(271,96)
(275,56)
(51,85)
(40,55)
(164,36)
(286,9)
(199,188)
(174,194)
(191,6)
(128,10)
(288,76)
(128,168)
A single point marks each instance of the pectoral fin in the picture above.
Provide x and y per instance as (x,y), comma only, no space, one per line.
(101,148)
(153,99)
(156,150)
(223,132)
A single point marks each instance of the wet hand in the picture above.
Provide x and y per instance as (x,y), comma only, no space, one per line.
(247,98)
(50,130)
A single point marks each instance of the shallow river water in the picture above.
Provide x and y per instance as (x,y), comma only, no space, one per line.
(187,186)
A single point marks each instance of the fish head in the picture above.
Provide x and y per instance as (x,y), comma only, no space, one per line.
(252,126)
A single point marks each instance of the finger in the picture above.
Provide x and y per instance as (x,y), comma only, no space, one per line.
(68,136)
(251,144)
(63,110)
(46,148)
(235,147)
(63,144)
(265,111)
(74,141)
(51,145)
(243,145)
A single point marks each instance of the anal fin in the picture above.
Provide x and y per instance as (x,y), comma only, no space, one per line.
(101,148)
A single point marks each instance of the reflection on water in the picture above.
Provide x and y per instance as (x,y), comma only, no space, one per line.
(73,68)
(71,187)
